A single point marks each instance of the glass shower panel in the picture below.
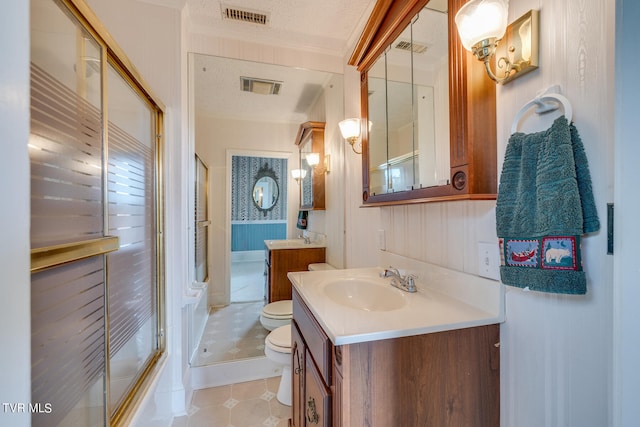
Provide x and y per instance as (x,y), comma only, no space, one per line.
(66,155)
(132,291)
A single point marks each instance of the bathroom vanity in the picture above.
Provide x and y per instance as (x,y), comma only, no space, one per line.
(365,353)
(283,256)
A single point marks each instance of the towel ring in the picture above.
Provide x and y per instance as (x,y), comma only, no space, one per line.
(543,107)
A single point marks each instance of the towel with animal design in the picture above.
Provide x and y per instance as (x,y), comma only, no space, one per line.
(545,204)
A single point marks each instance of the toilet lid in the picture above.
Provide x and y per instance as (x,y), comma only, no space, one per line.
(280,339)
(278,309)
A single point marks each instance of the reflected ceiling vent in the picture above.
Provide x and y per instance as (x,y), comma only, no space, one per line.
(244,15)
(411,47)
(260,86)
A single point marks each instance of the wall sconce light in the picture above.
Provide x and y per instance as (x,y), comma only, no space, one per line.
(483,30)
(350,130)
(313,160)
(298,174)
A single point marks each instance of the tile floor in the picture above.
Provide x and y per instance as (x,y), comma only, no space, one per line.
(249,404)
(247,281)
(233,332)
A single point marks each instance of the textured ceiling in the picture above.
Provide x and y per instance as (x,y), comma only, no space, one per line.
(316,25)
(323,26)
(217,90)
(326,26)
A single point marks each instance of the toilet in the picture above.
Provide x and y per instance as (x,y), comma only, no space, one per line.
(276,317)
(277,348)
(279,313)
(319,266)
(276,314)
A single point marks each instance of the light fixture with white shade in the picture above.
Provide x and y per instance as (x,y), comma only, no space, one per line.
(298,174)
(313,160)
(350,130)
(483,30)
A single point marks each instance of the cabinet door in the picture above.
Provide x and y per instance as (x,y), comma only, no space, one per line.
(317,397)
(283,261)
(297,377)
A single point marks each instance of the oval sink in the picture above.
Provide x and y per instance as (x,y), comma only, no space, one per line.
(364,294)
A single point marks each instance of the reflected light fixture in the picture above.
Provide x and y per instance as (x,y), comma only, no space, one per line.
(298,174)
(313,160)
(350,130)
(483,30)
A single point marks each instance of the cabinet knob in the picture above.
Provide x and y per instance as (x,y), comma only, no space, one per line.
(312,414)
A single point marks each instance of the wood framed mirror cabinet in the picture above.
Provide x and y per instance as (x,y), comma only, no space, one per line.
(310,140)
(405,175)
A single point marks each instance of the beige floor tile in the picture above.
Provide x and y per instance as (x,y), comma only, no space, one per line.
(248,404)
(211,416)
(211,396)
(249,390)
(253,412)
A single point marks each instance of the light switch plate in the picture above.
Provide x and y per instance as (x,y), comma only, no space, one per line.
(382,240)
(489,260)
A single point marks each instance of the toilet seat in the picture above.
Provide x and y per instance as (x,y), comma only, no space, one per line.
(278,310)
(276,314)
(280,339)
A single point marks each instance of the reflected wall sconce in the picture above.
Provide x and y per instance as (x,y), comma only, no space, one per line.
(350,130)
(313,160)
(483,30)
(298,174)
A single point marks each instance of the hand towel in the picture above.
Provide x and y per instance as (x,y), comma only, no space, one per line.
(545,204)
(302,220)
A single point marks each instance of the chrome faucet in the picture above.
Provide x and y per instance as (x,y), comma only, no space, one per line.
(406,283)
(307,239)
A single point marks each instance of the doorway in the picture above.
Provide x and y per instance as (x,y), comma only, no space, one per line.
(258,213)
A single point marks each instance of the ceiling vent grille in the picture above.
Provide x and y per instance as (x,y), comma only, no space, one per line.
(244,15)
(411,47)
(260,86)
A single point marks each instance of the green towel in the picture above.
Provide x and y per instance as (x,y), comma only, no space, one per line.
(545,203)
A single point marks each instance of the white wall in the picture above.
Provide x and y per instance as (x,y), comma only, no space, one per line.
(330,222)
(15,282)
(556,350)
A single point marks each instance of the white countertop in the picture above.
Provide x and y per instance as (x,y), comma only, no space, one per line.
(434,308)
(292,244)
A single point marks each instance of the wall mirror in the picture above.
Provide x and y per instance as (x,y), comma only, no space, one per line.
(310,139)
(265,191)
(225,118)
(430,110)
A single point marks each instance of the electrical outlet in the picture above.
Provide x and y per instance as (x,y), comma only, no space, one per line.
(489,260)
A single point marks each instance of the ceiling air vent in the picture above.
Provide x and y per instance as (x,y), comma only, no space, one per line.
(244,15)
(411,47)
(260,86)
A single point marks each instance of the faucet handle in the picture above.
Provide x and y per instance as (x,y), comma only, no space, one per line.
(410,281)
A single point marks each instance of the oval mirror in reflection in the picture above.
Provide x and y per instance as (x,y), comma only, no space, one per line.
(265,190)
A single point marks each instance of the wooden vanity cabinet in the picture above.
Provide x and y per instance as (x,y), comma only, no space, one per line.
(279,262)
(312,367)
(444,379)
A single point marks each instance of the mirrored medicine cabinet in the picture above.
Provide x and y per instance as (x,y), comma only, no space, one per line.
(310,139)
(429,109)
